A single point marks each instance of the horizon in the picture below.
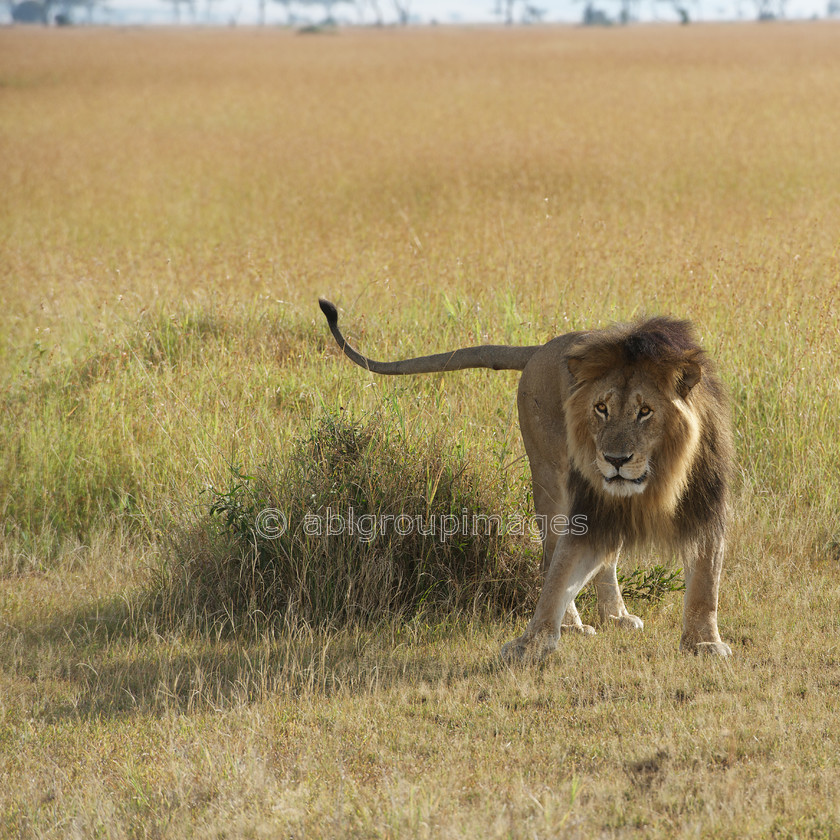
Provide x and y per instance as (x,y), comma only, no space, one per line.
(421,12)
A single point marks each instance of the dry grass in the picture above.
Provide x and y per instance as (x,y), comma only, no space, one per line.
(172,204)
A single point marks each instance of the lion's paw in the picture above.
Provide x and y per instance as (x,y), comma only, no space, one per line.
(513,653)
(580,629)
(706,648)
(713,649)
(523,650)
(627,622)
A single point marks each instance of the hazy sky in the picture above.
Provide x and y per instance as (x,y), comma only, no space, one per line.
(450,11)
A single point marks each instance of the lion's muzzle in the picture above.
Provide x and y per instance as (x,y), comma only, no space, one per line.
(621,476)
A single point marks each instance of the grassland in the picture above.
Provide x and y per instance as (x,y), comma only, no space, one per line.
(171,205)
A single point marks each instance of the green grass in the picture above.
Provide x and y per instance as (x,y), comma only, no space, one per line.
(173,205)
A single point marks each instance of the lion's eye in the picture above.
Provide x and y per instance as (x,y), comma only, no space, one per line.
(645,411)
(601,408)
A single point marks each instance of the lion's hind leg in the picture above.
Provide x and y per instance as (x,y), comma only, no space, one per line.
(611,607)
(572,622)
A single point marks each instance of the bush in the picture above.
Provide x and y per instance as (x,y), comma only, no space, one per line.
(349,528)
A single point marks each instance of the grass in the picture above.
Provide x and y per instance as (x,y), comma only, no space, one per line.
(355,526)
(173,204)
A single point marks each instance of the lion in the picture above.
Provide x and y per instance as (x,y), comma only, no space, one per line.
(626,430)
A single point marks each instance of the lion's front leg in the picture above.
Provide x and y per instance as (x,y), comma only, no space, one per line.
(700,630)
(572,567)
(611,607)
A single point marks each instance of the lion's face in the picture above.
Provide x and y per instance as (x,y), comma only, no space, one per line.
(625,423)
(630,431)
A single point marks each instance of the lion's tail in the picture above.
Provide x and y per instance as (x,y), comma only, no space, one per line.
(493,356)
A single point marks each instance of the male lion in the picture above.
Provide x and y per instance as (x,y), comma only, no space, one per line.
(627,429)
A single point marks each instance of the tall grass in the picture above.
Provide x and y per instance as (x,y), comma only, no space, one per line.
(92,437)
(359,523)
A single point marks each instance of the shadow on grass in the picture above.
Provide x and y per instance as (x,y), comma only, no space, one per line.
(239,608)
(119,658)
(115,659)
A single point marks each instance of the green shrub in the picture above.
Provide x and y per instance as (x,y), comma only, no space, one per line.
(350,528)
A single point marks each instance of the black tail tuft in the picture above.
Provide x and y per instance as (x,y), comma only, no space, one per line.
(329,310)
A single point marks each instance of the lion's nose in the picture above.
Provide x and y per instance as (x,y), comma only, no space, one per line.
(618,461)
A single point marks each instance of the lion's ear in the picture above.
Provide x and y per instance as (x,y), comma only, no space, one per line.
(574,365)
(690,375)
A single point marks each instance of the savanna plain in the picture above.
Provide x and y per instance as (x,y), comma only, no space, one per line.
(172,203)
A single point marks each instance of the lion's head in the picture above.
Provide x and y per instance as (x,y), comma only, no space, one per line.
(632,427)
